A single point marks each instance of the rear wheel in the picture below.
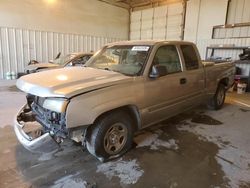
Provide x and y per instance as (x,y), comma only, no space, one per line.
(218,99)
(111,136)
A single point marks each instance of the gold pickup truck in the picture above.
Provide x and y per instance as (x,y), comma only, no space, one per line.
(123,88)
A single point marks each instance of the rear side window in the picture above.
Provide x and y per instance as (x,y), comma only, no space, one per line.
(190,57)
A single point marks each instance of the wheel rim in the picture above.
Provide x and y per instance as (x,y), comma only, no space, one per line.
(115,138)
(220,96)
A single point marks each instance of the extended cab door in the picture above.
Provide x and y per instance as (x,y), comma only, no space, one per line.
(165,96)
(193,74)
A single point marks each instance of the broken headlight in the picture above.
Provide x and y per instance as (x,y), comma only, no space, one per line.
(55,104)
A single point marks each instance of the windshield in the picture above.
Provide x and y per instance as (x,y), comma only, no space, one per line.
(64,59)
(128,60)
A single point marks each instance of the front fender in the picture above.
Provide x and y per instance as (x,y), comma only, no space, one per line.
(84,109)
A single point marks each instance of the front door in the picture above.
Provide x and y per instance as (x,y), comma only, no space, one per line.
(164,95)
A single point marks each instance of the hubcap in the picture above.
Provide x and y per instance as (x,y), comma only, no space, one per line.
(115,138)
(220,97)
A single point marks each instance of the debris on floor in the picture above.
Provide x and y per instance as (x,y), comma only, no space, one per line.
(151,140)
(129,172)
(72,181)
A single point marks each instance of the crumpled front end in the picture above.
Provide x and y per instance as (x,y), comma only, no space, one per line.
(40,125)
(32,134)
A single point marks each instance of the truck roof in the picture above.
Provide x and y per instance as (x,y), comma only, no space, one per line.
(82,53)
(148,42)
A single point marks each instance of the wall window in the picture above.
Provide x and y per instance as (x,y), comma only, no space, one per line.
(168,56)
(190,57)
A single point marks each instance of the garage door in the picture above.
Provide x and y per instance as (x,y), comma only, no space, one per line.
(164,22)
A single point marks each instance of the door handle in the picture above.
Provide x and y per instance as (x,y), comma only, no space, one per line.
(183,80)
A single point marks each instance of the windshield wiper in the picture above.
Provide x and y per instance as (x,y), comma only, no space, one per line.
(115,71)
(108,69)
(105,68)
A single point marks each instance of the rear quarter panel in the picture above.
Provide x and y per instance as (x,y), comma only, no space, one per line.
(215,73)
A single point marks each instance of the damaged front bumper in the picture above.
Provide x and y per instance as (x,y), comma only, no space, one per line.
(30,133)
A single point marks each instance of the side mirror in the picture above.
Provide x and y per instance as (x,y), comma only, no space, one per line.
(158,71)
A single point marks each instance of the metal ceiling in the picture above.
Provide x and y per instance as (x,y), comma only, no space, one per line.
(128,4)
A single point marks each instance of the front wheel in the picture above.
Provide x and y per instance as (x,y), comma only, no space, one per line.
(111,136)
(218,99)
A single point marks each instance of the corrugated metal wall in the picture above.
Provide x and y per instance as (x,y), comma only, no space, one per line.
(238,11)
(235,32)
(164,22)
(203,15)
(19,46)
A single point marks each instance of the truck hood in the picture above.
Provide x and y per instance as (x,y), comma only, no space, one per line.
(40,66)
(69,82)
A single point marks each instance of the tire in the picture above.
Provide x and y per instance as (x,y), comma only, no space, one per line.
(111,136)
(218,99)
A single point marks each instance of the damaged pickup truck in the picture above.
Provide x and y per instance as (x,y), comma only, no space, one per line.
(123,88)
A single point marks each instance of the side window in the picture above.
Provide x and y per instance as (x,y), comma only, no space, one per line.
(85,59)
(190,57)
(168,56)
(77,61)
(81,60)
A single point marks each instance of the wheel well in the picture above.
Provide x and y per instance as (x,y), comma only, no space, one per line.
(131,110)
(224,81)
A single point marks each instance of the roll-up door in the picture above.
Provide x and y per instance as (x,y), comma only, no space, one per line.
(163,22)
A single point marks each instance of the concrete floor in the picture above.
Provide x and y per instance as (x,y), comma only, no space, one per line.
(200,148)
